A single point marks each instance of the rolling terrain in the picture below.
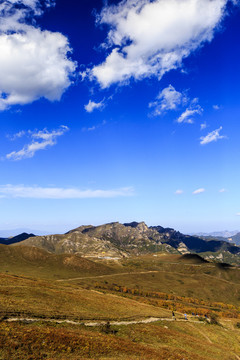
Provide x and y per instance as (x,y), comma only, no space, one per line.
(107,298)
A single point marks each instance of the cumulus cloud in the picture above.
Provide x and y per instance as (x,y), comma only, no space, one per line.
(34,63)
(36,192)
(151,37)
(199,191)
(212,136)
(188,115)
(40,141)
(92,105)
(167,99)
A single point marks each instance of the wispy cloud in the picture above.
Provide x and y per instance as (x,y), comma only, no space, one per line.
(238,214)
(18,135)
(223,190)
(203,126)
(188,115)
(216,107)
(179,192)
(36,192)
(92,105)
(40,141)
(199,191)
(149,38)
(94,127)
(168,99)
(212,136)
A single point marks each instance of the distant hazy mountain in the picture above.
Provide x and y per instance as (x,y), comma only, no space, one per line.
(235,239)
(15,239)
(217,234)
(15,232)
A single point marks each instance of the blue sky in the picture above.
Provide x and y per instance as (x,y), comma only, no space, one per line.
(119,111)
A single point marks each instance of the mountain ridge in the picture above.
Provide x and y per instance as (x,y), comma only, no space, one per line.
(116,240)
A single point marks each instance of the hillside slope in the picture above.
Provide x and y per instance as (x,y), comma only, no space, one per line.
(33,261)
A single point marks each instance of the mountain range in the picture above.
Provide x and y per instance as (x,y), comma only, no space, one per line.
(218,234)
(116,240)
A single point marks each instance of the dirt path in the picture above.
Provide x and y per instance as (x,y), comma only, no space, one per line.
(203,334)
(109,275)
(99,323)
(145,272)
(92,323)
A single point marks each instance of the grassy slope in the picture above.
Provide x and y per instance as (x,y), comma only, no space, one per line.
(31,261)
(174,276)
(33,292)
(162,340)
(39,298)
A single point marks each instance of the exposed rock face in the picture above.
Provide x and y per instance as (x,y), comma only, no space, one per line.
(120,240)
(109,240)
(182,248)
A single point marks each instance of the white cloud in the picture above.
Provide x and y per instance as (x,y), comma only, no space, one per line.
(168,99)
(94,127)
(40,141)
(203,126)
(216,107)
(34,63)
(151,37)
(222,190)
(36,192)
(238,214)
(199,191)
(92,105)
(212,136)
(17,135)
(179,192)
(188,115)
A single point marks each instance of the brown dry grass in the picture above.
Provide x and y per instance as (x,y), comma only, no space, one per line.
(32,342)
(45,299)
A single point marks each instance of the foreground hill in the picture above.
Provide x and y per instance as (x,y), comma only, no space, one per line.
(33,261)
(117,240)
(44,316)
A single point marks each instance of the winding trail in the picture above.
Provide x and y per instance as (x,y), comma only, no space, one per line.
(91,323)
(203,334)
(148,272)
(109,275)
(99,323)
